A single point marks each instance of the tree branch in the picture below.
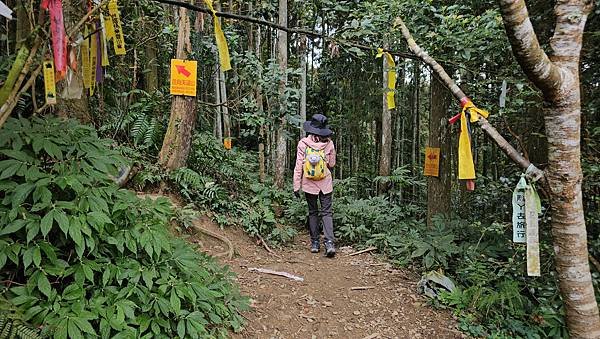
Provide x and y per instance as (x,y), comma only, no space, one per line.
(283,28)
(527,50)
(504,145)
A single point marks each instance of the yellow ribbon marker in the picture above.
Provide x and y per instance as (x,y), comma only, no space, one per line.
(109,27)
(391,75)
(466,166)
(49,82)
(93,61)
(104,42)
(119,39)
(85,62)
(224,59)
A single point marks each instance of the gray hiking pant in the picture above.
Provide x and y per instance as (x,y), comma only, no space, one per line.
(326,215)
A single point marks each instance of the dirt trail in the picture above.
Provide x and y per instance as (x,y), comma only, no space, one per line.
(325,305)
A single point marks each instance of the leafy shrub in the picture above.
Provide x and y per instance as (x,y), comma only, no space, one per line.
(81,257)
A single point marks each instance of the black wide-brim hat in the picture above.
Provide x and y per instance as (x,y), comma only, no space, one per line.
(318,126)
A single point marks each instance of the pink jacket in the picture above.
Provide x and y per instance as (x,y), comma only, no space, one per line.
(312,186)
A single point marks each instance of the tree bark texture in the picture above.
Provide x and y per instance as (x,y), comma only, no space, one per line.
(386,131)
(557,77)
(303,70)
(439,188)
(177,141)
(416,149)
(282,56)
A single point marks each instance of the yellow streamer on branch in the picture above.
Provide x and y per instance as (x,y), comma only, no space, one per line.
(224,59)
(391,75)
(466,166)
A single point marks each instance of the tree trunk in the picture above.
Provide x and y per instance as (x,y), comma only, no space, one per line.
(438,189)
(557,77)
(218,115)
(416,149)
(23,25)
(386,132)
(177,142)
(223,91)
(282,56)
(303,42)
(73,108)
(151,77)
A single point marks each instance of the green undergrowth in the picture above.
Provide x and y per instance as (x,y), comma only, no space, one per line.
(226,184)
(81,258)
(494,298)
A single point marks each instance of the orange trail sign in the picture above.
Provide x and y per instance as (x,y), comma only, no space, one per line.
(432,162)
(183,77)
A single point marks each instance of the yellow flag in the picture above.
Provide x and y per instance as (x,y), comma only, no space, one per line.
(109,27)
(119,39)
(49,82)
(93,61)
(104,42)
(466,167)
(391,75)
(85,62)
(224,59)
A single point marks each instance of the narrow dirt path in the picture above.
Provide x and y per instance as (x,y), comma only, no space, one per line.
(327,304)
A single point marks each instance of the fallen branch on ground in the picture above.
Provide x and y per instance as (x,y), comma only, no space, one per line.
(372,336)
(369,249)
(281,274)
(264,243)
(361,288)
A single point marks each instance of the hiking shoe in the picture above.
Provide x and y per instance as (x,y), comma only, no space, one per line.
(329,249)
(314,246)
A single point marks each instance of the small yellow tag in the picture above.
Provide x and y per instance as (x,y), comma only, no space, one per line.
(49,82)
(227,143)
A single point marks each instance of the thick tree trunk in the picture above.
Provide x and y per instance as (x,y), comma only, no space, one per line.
(386,131)
(282,56)
(557,77)
(438,188)
(177,142)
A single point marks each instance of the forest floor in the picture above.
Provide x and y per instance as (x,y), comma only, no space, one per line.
(327,304)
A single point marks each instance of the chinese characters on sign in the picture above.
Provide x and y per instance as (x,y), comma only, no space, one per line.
(183,77)
(49,82)
(432,162)
(519,223)
(115,20)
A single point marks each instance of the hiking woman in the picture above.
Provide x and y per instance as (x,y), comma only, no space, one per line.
(315,157)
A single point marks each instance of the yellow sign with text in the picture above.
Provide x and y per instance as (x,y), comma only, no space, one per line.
(183,77)
(49,82)
(432,162)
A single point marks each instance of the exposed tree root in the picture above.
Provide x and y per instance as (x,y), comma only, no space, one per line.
(230,250)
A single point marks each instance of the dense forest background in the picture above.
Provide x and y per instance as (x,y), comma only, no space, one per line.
(382,198)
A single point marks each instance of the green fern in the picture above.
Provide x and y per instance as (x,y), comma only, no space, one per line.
(13,328)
